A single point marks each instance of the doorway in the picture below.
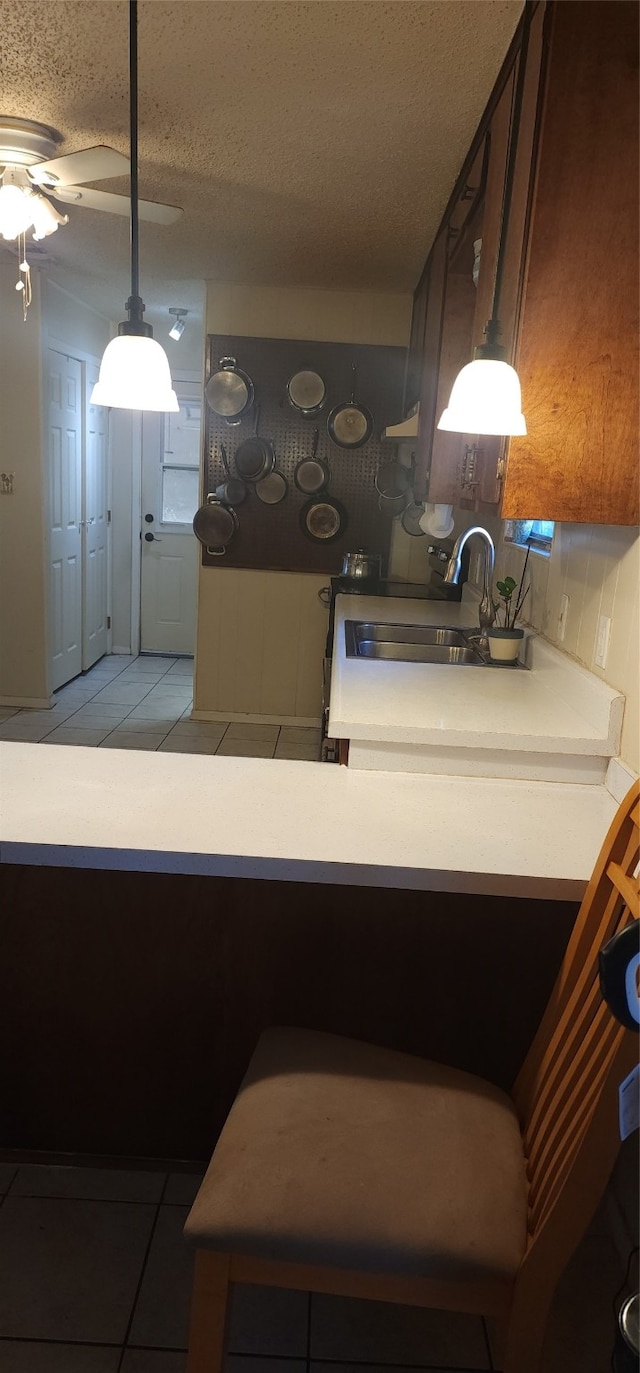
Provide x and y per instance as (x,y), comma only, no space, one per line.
(78,496)
(170,498)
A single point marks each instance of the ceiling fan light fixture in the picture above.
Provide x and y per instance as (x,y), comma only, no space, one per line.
(135,375)
(44,216)
(15,209)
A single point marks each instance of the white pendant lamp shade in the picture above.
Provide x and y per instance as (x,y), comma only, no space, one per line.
(135,375)
(485,399)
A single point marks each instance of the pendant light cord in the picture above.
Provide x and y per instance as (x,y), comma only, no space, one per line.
(133,141)
(492,328)
(134,306)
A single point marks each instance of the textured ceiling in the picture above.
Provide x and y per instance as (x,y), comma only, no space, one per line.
(310,144)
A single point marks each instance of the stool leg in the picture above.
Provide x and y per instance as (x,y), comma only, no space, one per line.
(208,1312)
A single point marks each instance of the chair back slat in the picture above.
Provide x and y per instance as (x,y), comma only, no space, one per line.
(570,1037)
(556,1175)
(578,1044)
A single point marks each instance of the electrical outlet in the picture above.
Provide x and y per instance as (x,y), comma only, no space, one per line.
(602,641)
(562,617)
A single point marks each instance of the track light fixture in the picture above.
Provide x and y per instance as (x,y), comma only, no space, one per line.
(177,329)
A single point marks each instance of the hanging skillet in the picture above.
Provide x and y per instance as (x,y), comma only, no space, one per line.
(229,391)
(272,489)
(312,474)
(215,524)
(255,457)
(350,424)
(307,393)
(323,521)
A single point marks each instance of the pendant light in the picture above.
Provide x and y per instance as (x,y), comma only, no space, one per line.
(134,372)
(485,397)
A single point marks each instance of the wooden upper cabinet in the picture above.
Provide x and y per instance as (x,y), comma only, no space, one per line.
(436,278)
(578,334)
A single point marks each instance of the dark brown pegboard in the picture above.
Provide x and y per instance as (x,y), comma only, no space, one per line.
(271,537)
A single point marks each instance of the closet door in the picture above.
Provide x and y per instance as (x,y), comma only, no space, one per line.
(65,442)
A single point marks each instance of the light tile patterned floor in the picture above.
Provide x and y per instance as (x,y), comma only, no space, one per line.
(95,1277)
(145,703)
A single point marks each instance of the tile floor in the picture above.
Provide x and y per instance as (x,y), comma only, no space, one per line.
(95,1278)
(145,703)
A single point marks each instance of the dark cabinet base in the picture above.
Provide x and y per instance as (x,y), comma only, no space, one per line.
(131,1002)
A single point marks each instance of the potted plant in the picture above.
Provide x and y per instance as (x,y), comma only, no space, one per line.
(504,638)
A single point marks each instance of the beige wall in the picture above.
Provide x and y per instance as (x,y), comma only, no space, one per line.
(326,316)
(261,635)
(67,320)
(24,674)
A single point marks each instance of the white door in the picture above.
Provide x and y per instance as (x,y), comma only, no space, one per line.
(170,498)
(65,513)
(95,517)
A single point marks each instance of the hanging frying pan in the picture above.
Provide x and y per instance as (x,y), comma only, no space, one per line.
(350,424)
(255,457)
(307,393)
(312,474)
(411,520)
(272,489)
(323,521)
(394,505)
(233,491)
(393,479)
(229,391)
(215,524)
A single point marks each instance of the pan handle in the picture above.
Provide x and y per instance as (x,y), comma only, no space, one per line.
(314,446)
(225,460)
(216,552)
(353,383)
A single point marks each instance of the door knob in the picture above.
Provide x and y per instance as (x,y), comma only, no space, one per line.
(152,538)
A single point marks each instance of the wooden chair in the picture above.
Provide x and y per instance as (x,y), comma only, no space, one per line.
(353,1170)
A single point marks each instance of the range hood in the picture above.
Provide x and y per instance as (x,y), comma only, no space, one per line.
(408,429)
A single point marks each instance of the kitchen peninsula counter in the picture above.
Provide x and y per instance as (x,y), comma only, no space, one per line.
(297,822)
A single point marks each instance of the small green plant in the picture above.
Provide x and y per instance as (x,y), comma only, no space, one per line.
(510,603)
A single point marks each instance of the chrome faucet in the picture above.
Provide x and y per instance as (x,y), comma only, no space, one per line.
(487,609)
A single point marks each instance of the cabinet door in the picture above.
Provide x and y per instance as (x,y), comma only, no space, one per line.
(413,374)
(578,333)
(437,276)
(492,450)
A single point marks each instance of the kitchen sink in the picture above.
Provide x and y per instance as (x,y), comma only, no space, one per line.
(407,634)
(412,643)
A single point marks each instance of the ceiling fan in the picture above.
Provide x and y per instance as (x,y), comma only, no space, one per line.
(32,179)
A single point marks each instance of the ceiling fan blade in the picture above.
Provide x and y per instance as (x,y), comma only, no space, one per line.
(89,164)
(149,210)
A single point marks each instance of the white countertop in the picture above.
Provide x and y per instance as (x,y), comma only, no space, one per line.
(297,821)
(557,707)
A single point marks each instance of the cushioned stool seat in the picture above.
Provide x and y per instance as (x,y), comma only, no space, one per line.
(340,1153)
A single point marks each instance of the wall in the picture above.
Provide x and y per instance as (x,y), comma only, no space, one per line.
(67,320)
(261,636)
(598,568)
(24,667)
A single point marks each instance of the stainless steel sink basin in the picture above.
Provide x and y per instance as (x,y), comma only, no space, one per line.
(419,653)
(411,643)
(407,634)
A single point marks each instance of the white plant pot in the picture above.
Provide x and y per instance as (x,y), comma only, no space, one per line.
(504,644)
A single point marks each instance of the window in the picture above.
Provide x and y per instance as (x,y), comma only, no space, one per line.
(534,534)
(181,464)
